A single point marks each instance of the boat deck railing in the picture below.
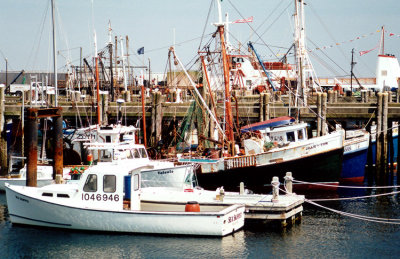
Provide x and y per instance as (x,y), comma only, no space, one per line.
(240,161)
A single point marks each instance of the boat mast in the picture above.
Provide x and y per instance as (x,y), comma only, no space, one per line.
(382,44)
(228,111)
(300,51)
(110,50)
(96,58)
(54,52)
(123,63)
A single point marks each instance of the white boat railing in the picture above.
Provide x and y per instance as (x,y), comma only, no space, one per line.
(240,161)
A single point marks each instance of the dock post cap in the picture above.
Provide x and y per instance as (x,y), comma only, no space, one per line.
(275,189)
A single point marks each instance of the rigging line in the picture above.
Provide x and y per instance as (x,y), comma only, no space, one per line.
(278,47)
(205,25)
(311,110)
(326,29)
(357,216)
(176,44)
(349,187)
(268,16)
(248,24)
(38,39)
(326,55)
(63,34)
(325,64)
(69,49)
(276,19)
(357,197)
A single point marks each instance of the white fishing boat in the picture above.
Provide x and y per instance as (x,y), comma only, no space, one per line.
(95,203)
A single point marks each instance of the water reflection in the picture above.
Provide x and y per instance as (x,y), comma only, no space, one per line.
(321,233)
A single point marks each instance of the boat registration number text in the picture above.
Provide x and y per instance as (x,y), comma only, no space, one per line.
(99,197)
(235,217)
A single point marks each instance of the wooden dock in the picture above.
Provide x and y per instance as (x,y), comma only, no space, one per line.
(250,108)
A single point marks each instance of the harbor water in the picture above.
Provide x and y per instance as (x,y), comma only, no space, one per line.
(320,234)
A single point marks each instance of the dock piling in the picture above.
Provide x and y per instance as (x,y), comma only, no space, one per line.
(275,189)
(241,186)
(31,135)
(289,182)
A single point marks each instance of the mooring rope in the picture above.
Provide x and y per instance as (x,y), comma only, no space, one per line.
(348,187)
(356,197)
(357,216)
(352,215)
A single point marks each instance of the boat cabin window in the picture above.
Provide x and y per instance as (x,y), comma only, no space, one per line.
(91,183)
(105,156)
(108,139)
(143,152)
(300,135)
(290,136)
(135,153)
(128,154)
(109,183)
(136,182)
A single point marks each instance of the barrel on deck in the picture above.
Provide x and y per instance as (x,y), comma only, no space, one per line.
(192,206)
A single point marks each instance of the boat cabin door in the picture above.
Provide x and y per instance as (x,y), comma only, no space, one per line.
(135,191)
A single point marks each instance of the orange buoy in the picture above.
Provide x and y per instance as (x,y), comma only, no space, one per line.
(192,206)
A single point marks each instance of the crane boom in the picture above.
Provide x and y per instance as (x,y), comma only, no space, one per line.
(262,65)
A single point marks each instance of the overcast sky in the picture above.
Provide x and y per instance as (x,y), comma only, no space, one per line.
(331,25)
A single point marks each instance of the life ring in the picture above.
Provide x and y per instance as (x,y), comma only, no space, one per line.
(238,65)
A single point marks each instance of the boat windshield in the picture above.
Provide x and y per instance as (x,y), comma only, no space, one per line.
(143,152)
(290,136)
(135,153)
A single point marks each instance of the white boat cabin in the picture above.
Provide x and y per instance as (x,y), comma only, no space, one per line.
(125,151)
(279,136)
(100,187)
(286,134)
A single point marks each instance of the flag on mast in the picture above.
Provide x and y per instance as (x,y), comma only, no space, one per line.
(140,51)
(367,51)
(250,19)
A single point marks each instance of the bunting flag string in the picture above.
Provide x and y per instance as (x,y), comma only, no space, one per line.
(389,34)
(352,40)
